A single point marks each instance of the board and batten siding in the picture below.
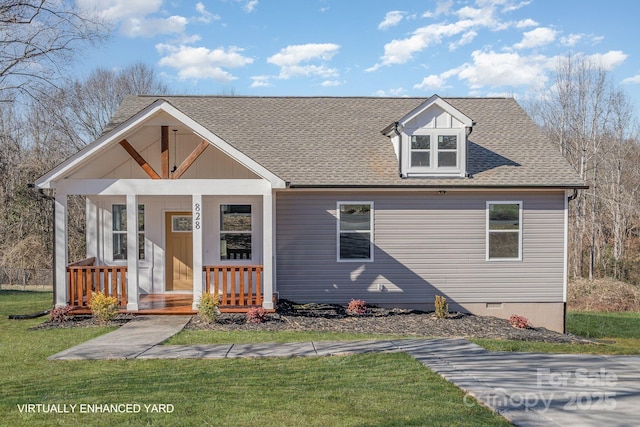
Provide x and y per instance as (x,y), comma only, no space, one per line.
(425,244)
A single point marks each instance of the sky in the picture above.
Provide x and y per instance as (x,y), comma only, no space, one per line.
(367,47)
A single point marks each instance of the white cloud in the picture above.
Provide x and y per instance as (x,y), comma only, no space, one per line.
(464,40)
(525,23)
(469,21)
(505,69)
(571,39)
(539,37)
(401,51)
(330,83)
(432,83)
(609,60)
(134,16)
(293,60)
(115,10)
(249,5)
(632,80)
(141,27)
(391,19)
(261,81)
(205,16)
(201,62)
(391,92)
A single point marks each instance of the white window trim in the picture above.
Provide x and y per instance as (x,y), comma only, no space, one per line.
(503,202)
(220,232)
(434,169)
(371,230)
(109,241)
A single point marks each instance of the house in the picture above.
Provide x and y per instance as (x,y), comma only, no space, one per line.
(390,200)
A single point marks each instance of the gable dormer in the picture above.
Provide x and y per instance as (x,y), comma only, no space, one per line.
(431,140)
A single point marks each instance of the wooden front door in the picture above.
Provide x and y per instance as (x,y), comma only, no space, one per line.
(179,251)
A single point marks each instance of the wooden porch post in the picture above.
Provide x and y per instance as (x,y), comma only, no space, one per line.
(267,250)
(197,215)
(61,249)
(132,252)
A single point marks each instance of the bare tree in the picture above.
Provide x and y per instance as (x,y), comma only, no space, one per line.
(592,124)
(80,110)
(38,40)
(41,134)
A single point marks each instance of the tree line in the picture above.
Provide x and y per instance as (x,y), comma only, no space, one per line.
(594,125)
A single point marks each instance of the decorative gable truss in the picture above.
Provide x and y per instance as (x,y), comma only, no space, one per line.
(431,140)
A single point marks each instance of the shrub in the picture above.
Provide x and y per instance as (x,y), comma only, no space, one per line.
(520,322)
(256,315)
(602,295)
(208,307)
(60,314)
(357,306)
(103,308)
(442,308)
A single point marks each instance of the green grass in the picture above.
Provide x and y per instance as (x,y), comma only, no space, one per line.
(361,390)
(613,333)
(190,337)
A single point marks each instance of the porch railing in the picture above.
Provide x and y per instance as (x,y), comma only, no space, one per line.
(85,277)
(236,285)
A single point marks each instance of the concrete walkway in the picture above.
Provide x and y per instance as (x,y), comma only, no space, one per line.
(528,389)
(127,342)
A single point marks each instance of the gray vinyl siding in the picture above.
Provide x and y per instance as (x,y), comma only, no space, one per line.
(425,244)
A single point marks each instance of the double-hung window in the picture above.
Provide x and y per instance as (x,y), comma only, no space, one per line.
(235,232)
(504,230)
(355,231)
(119,231)
(421,151)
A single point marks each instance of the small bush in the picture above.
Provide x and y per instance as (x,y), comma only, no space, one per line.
(357,306)
(60,314)
(442,308)
(520,322)
(256,315)
(103,308)
(208,307)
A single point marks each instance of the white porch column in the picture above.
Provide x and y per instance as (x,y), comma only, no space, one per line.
(267,250)
(196,211)
(60,214)
(132,252)
(92,235)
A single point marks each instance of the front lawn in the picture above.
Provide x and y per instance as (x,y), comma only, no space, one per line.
(613,333)
(370,389)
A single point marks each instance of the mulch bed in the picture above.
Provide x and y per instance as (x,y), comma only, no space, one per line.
(290,316)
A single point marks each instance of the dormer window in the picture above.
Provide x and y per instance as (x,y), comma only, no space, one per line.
(431,141)
(443,155)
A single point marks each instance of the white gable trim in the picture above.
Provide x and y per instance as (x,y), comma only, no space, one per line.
(64,169)
(436,100)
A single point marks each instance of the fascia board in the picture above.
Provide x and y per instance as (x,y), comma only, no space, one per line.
(436,100)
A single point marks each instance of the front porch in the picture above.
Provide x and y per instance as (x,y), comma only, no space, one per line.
(239,289)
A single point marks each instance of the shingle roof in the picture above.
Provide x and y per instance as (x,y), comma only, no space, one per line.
(316,141)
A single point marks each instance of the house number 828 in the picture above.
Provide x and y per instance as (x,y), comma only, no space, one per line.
(196,216)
